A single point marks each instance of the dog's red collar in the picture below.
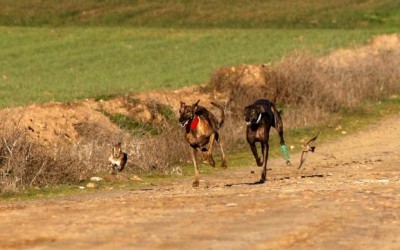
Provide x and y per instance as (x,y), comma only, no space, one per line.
(194,122)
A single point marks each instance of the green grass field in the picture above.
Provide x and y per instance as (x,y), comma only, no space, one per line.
(53,50)
(41,64)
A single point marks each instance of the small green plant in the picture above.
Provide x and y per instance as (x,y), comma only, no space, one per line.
(134,127)
(167,112)
(104,97)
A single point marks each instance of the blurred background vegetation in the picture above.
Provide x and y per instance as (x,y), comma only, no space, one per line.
(348,14)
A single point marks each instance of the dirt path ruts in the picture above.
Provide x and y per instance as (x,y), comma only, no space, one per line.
(347,197)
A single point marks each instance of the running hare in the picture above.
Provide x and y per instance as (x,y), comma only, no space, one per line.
(117,159)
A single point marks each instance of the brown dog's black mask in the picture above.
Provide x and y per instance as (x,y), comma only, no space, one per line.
(187,113)
(252,114)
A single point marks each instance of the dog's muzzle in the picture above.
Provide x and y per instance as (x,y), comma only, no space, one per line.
(249,123)
(184,123)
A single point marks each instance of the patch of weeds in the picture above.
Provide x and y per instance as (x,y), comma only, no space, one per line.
(133,101)
(104,97)
(36,193)
(134,127)
(373,18)
(166,111)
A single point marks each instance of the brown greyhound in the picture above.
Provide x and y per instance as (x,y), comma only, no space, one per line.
(201,130)
(260,117)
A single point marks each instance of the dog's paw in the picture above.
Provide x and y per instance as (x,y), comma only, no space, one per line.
(261,181)
(224,165)
(196,183)
(211,162)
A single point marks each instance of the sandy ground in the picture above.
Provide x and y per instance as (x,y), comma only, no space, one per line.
(346,197)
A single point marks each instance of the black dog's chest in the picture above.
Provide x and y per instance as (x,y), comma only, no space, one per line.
(258,133)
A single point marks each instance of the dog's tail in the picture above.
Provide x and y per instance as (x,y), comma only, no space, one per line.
(278,124)
(222,112)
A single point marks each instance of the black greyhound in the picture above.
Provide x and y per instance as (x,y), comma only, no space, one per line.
(260,117)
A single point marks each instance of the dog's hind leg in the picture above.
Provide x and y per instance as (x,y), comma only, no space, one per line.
(279,128)
(285,152)
(253,148)
(196,170)
(223,163)
(210,150)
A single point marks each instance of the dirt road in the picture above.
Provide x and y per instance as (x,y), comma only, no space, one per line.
(347,197)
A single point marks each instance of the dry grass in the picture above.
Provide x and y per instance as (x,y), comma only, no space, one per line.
(158,154)
(25,164)
(308,88)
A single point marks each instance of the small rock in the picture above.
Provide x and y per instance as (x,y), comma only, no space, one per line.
(91,185)
(95,178)
(231,205)
(80,187)
(177,171)
(382,181)
(136,178)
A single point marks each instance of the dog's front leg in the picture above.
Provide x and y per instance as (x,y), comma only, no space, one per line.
(265,157)
(255,153)
(112,168)
(196,170)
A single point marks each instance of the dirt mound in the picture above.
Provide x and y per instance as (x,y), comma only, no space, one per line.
(379,44)
(58,123)
(174,97)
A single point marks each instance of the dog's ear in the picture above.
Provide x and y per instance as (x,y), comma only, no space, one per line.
(196,105)
(246,110)
(261,108)
(182,104)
